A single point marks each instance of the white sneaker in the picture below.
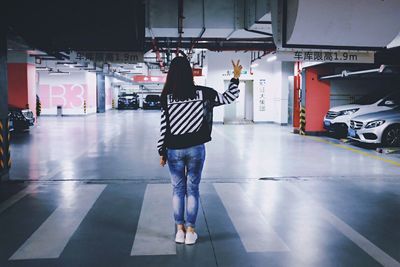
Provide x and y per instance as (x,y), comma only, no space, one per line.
(190,238)
(180,237)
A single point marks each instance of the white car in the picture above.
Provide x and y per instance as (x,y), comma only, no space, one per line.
(380,127)
(338,118)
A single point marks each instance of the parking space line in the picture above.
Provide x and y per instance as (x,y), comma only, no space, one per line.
(321,140)
(155,231)
(358,239)
(255,233)
(50,239)
(17,197)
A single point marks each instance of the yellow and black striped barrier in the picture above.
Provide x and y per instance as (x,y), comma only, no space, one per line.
(302,129)
(84,106)
(1,147)
(113,103)
(5,157)
(8,152)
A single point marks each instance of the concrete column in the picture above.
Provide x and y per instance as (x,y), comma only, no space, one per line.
(101,93)
(5,160)
(21,80)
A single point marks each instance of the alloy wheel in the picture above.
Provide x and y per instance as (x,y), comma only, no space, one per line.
(393,136)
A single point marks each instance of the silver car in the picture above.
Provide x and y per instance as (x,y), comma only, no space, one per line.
(379,127)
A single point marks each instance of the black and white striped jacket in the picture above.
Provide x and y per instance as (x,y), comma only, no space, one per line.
(189,123)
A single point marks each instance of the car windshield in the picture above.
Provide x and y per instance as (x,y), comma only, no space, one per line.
(392,100)
(152,98)
(371,98)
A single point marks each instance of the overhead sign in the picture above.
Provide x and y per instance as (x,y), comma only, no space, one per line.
(111,57)
(149,79)
(197,72)
(326,56)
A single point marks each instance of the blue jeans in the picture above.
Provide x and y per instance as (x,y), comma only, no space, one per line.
(185,166)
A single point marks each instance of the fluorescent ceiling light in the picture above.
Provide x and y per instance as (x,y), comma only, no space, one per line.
(58,72)
(272,58)
(43,68)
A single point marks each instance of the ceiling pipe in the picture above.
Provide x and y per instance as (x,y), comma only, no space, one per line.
(180,24)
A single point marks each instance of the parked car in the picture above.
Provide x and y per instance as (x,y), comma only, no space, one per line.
(152,102)
(128,101)
(379,127)
(337,120)
(22,119)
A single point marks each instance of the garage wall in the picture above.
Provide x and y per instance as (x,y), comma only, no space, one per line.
(346,91)
(275,74)
(68,91)
(270,84)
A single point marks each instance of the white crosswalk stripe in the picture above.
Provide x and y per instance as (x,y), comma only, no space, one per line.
(254,230)
(155,231)
(50,239)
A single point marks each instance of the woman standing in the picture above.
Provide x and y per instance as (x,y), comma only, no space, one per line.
(186,124)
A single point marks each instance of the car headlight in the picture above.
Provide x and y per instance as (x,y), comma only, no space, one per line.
(373,124)
(348,111)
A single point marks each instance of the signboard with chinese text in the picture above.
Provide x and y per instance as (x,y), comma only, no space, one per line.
(261,98)
(110,57)
(326,56)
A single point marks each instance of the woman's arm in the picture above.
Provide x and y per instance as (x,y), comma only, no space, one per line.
(229,95)
(161,141)
(233,91)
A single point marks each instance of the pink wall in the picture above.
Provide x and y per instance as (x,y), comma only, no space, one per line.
(68,91)
(68,96)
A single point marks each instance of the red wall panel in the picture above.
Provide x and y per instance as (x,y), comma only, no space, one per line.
(17,85)
(317,99)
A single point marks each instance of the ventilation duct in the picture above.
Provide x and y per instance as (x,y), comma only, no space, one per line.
(208,19)
(350,24)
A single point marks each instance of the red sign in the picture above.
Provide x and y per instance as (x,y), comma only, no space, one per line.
(197,72)
(149,79)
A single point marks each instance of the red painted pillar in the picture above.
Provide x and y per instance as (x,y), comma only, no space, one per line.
(317,99)
(296,95)
(21,81)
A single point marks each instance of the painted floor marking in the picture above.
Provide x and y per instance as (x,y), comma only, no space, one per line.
(362,242)
(156,228)
(321,140)
(255,233)
(17,197)
(50,239)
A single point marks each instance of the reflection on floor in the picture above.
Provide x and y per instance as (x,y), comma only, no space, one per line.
(268,198)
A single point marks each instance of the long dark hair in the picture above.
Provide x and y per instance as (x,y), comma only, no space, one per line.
(179,81)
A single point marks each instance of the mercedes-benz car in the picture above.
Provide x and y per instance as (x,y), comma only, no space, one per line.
(377,128)
(337,120)
(22,119)
(152,102)
(128,101)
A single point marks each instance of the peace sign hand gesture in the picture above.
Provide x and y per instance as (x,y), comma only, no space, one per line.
(237,69)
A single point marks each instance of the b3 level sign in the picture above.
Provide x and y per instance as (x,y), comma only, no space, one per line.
(339,56)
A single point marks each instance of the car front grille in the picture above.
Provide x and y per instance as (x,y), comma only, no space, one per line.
(356,125)
(332,114)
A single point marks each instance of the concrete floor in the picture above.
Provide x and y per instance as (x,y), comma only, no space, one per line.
(88,191)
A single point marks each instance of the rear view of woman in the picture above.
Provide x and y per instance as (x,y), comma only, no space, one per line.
(186,124)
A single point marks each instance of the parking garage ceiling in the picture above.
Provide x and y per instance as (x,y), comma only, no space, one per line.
(144,25)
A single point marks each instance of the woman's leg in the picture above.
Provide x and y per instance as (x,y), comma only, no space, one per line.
(195,162)
(176,166)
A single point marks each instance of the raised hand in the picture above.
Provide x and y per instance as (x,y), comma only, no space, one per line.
(237,69)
